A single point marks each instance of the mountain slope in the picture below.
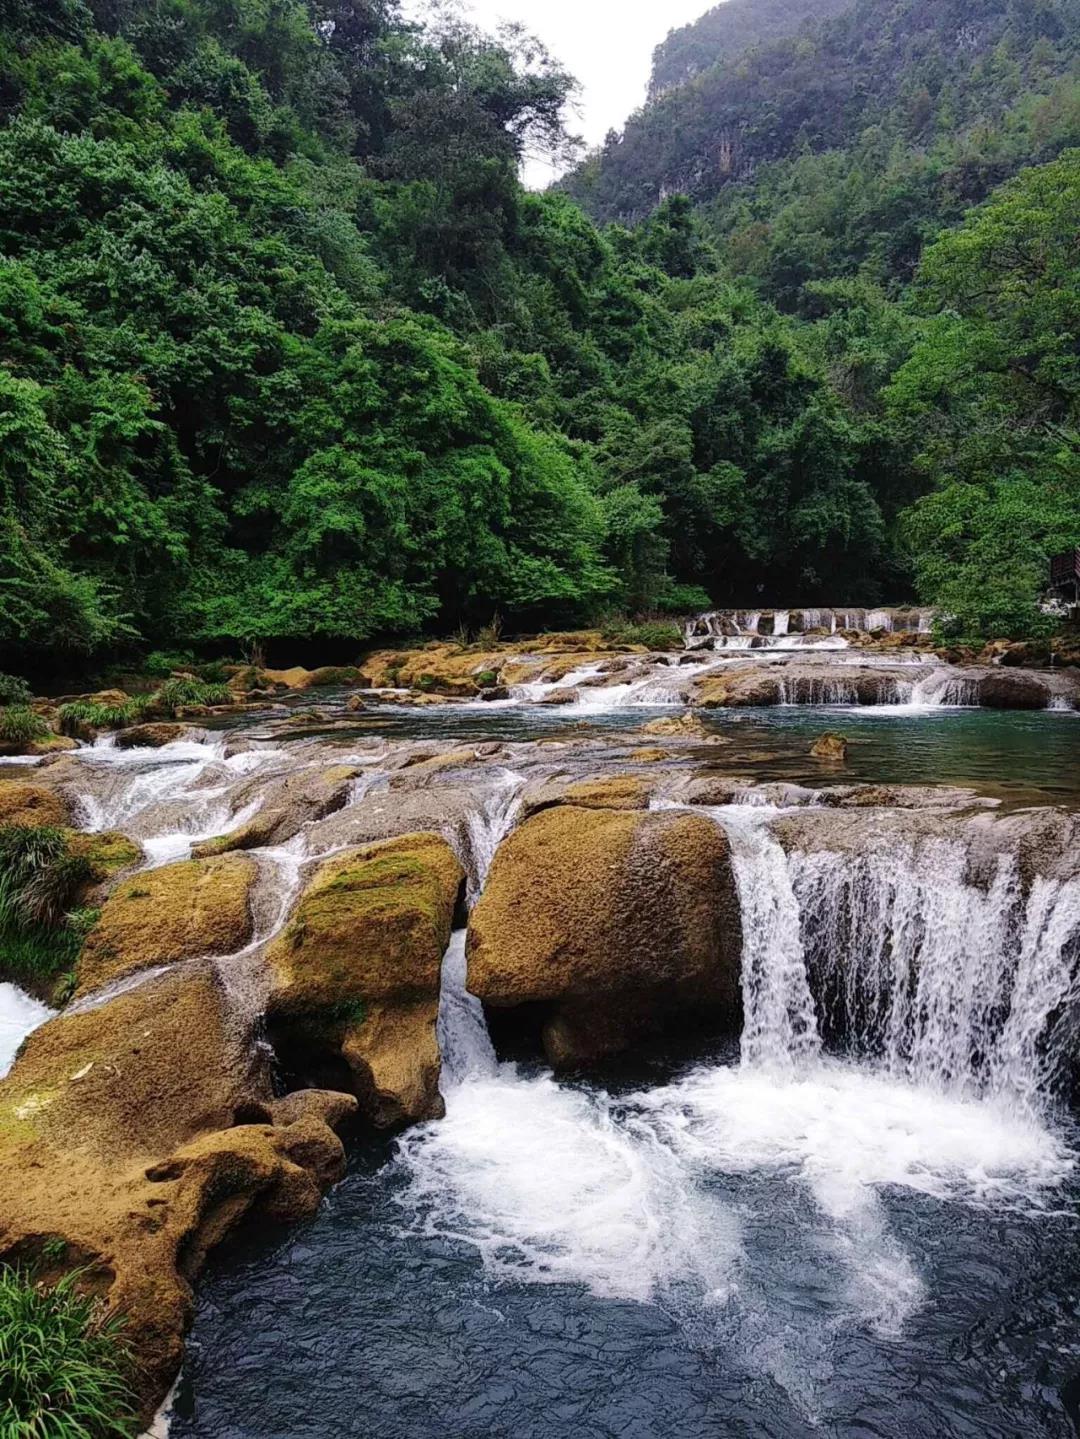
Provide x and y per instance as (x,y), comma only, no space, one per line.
(728,30)
(917,72)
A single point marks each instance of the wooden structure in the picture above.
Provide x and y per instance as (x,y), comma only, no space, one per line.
(1065,575)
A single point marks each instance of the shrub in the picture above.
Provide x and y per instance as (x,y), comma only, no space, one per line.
(489,634)
(64,1369)
(161,663)
(14,690)
(654,634)
(486,679)
(20,725)
(214,672)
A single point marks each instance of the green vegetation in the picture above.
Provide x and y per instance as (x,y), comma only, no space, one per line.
(291,356)
(174,694)
(41,930)
(79,717)
(20,725)
(14,691)
(64,1369)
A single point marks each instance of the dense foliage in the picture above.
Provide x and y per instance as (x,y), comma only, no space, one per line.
(64,1373)
(289,355)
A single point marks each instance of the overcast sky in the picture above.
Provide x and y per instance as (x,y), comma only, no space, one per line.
(606,44)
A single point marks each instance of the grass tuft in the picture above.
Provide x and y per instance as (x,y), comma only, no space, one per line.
(20,725)
(65,1372)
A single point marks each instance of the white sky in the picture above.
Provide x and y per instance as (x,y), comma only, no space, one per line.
(606,44)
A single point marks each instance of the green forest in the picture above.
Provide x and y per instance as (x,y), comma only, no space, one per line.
(289,358)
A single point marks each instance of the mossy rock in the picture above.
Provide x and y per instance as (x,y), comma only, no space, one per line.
(108,852)
(356,972)
(617,920)
(181,911)
(373,924)
(32,804)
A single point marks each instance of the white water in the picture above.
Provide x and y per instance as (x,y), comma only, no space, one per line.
(743,629)
(20,1015)
(652,1196)
(643,1197)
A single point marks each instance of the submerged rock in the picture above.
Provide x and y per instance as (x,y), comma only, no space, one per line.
(829,746)
(687,723)
(356,972)
(159,916)
(618,920)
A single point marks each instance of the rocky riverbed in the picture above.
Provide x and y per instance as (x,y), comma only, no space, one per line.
(274,900)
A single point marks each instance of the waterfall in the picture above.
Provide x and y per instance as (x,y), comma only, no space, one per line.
(779,1025)
(20,1015)
(906,961)
(461,1030)
(486,827)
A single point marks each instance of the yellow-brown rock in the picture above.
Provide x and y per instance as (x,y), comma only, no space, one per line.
(621,791)
(125,1147)
(356,971)
(619,920)
(152,736)
(830,747)
(199,907)
(650,754)
(687,723)
(31,804)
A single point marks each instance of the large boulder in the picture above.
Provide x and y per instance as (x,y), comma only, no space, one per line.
(356,973)
(133,1135)
(199,907)
(616,920)
(1013,690)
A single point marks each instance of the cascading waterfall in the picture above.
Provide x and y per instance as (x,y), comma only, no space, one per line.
(939,979)
(636,1197)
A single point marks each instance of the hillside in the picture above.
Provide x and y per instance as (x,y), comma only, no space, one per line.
(949,96)
(728,30)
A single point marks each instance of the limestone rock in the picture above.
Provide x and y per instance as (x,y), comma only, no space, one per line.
(618,920)
(152,736)
(286,806)
(1013,690)
(31,804)
(356,972)
(120,1152)
(686,723)
(620,791)
(196,908)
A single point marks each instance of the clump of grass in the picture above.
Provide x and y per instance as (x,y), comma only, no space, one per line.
(20,725)
(65,1372)
(41,932)
(489,634)
(14,690)
(78,716)
(653,634)
(183,691)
